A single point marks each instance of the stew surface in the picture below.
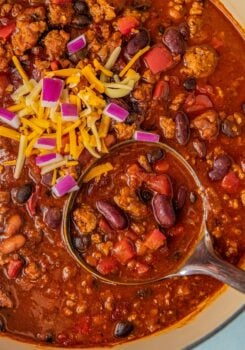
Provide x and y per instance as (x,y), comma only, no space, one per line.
(174,69)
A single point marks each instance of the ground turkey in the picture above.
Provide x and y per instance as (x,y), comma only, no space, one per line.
(30,24)
(85,219)
(56,43)
(6,54)
(207,124)
(128,201)
(60,14)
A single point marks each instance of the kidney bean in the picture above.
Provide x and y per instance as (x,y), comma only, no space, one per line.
(182,132)
(155,154)
(163,211)
(14,268)
(174,41)
(23,193)
(80,7)
(243,107)
(221,167)
(180,198)
(12,244)
(190,84)
(138,42)
(13,225)
(81,21)
(200,148)
(184,30)
(52,217)
(113,214)
(123,329)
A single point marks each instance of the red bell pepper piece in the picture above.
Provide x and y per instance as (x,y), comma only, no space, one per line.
(158,59)
(107,265)
(231,183)
(124,251)
(126,24)
(161,90)
(32,202)
(7,30)
(198,104)
(155,240)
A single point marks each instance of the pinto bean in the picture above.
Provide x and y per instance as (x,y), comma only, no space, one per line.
(12,244)
(113,214)
(13,225)
(163,211)
(221,167)
(200,148)
(174,41)
(182,131)
(138,42)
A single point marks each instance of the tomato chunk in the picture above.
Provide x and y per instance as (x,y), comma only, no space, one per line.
(7,30)
(14,268)
(126,24)
(198,104)
(161,90)
(160,183)
(107,265)
(158,59)
(231,183)
(155,240)
(124,251)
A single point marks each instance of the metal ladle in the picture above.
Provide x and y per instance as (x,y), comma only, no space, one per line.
(201,260)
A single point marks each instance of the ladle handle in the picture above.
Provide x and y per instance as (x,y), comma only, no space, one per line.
(205,262)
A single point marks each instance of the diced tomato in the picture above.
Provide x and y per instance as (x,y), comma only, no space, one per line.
(124,251)
(155,240)
(7,30)
(131,235)
(217,43)
(199,104)
(161,166)
(107,265)
(159,59)
(231,183)
(160,183)
(14,268)
(141,268)
(126,24)
(161,90)
(83,326)
(54,65)
(3,83)
(32,202)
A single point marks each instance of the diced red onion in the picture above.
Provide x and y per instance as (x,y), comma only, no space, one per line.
(52,89)
(77,44)
(9,118)
(146,136)
(65,185)
(45,143)
(69,112)
(49,158)
(116,112)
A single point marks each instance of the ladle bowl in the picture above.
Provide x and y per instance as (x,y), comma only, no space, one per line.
(201,259)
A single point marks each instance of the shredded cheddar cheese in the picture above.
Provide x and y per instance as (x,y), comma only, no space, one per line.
(133,60)
(97,171)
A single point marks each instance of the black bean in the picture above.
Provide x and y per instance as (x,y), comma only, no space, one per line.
(81,21)
(49,338)
(190,84)
(200,148)
(155,155)
(144,195)
(163,211)
(52,217)
(2,326)
(193,197)
(81,7)
(138,42)
(23,193)
(221,167)
(229,128)
(123,329)
(182,131)
(174,41)
(184,30)
(180,198)
(81,243)
(113,214)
